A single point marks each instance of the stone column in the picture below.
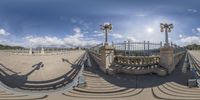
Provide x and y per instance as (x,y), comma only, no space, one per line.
(107,58)
(167,58)
(42,51)
(30,51)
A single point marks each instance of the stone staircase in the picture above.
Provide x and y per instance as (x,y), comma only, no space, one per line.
(98,88)
(6,95)
(174,91)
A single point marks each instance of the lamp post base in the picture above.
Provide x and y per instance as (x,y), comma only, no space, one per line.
(166,45)
(106,43)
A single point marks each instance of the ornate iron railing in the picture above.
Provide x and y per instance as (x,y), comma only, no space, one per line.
(137,60)
(194,66)
(129,48)
(96,49)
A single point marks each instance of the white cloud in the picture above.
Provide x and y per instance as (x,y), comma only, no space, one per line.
(76,39)
(121,37)
(79,40)
(73,20)
(190,40)
(117,36)
(98,34)
(81,23)
(44,41)
(4,32)
(198,29)
(192,10)
(77,30)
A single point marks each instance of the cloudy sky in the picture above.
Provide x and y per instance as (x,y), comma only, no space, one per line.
(76,22)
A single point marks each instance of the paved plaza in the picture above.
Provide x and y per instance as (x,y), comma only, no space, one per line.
(53,65)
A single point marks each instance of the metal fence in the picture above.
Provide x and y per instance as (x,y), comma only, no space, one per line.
(177,48)
(194,66)
(129,48)
(38,51)
(96,48)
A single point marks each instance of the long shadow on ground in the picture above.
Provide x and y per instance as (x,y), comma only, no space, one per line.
(14,80)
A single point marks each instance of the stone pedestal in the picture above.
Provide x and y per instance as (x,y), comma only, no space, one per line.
(107,57)
(42,51)
(167,58)
(30,51)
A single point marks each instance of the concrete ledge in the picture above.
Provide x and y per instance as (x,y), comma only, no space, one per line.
(158,70)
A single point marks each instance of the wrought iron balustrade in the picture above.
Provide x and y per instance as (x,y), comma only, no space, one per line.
(137,60)
(129,48)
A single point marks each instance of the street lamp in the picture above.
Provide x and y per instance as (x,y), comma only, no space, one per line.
(106,27)
(167,28)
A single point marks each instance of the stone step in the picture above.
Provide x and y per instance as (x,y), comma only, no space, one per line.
(6,93)
(100,86)
(105,88)
(102,90)
(130,93)
(175,89)
(183,88)
(97,81)
(175,92)
(160,94)
(22,97)
(93,80)
(96,84)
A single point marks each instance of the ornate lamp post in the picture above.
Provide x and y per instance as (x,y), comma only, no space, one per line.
(106,27)
(167,28)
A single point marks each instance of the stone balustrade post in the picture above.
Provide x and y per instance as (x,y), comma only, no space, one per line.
(107,57)
(160,44)
(148,47)
(144,46)
(124,48)
(167,58)
(42,51)
(129,45)
(30,51)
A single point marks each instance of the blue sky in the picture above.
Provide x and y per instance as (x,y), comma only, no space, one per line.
(76,22)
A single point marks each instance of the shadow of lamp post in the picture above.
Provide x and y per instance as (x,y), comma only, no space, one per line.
(15,80)
(106,27)
(167,28)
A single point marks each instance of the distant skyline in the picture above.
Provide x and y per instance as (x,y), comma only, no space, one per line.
(72,23)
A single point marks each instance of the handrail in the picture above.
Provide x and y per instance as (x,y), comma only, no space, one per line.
(194,67)
(137,61)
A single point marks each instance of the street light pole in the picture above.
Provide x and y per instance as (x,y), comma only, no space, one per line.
(106,27)
(106,36)
(167,28)
(166,36)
